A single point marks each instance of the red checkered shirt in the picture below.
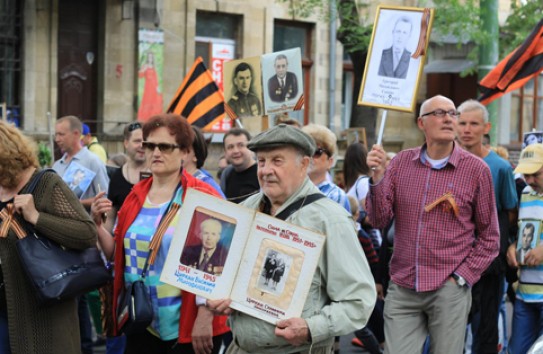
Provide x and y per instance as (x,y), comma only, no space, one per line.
(430,246)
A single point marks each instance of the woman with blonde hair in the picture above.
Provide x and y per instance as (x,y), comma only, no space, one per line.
(56,213)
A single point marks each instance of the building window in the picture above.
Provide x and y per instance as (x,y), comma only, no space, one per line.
(10,56)
(287,35)
(216,38)
(527,109)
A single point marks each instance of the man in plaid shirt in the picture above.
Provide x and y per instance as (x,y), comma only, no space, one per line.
(443,202)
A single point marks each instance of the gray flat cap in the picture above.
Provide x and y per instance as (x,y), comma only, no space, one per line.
(282,135)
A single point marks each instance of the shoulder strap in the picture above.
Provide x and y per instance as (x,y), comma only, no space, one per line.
(156,240)
(300,203)
(356,185)
(36,179)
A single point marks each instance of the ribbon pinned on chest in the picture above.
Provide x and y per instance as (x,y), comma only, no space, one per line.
(447,202)
(9,222)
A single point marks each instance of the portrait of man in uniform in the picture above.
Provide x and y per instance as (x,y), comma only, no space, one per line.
(244,100)
(283,86)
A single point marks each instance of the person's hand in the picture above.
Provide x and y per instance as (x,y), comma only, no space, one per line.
(380,291)
(202,332)
(377,160)
(24,205)
(220,307)
(511,256)
(534,257)
(100,207)
(294,330)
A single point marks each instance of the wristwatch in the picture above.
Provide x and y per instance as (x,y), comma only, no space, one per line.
(459,280)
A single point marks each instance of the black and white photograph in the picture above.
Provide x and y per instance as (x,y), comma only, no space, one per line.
(529,138)
(528,238)
(242,88)
(274,272)
(395,58)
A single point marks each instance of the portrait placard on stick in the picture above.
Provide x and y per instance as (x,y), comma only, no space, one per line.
(396,58)
(224,250)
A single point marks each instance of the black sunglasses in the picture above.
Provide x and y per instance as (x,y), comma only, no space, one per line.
(163,147)
(134,126)
(320,151)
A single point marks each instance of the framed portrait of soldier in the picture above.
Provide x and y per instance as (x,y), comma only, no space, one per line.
(396,57)
(282,81)
(243,88)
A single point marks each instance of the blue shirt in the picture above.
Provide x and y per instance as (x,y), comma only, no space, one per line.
(335,193)
(504,182)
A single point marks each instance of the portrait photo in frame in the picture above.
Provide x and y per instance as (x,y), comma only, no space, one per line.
(243,88)
(396,57)
(528,238)
(533,137)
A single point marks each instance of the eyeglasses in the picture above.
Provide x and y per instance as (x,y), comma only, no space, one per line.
(318,153)
(134,126)
(163,147)
(441,113)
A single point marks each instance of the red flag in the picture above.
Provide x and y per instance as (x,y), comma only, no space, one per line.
(516,69)
(199,99)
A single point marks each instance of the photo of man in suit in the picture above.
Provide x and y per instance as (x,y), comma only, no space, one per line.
(395,60)
(283,86)
(244,102)
(75,184)
(526,242)
(209,256)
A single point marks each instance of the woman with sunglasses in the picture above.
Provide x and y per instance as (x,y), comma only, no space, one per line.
(179,325)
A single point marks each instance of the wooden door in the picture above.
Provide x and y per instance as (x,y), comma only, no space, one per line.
(77,59)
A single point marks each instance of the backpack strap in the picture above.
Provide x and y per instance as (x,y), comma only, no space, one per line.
(298,204)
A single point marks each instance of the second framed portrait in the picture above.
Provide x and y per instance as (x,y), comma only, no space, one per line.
(396,58)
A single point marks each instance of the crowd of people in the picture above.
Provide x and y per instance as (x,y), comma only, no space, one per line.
(420,245)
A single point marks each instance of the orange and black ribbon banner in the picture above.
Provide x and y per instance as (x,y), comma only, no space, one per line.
(198,98)
(518,67)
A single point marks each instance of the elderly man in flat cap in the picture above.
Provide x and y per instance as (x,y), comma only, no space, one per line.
(342,293)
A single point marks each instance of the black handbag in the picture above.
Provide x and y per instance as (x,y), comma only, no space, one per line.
(58,273)
(135,309)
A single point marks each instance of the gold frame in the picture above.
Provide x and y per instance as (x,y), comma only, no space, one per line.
(395,87)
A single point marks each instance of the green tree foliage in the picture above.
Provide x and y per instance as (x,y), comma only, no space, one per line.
(519,24)
(355,37)
(44,155)
(462,19)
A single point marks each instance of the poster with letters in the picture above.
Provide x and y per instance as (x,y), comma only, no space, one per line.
(265,265)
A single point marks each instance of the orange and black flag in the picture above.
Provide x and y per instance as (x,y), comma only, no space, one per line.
(199,99)
(516,69)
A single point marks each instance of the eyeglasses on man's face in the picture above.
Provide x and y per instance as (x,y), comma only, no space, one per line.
(441,113)
(163,147)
